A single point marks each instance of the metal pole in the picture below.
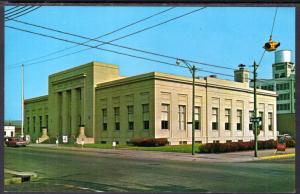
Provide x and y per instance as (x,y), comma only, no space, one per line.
(22,114)
(193,112)
(255,110)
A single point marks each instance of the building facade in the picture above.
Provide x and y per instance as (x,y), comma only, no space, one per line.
(94,103)
(284,83)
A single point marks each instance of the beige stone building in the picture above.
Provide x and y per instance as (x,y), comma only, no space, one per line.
(92,102)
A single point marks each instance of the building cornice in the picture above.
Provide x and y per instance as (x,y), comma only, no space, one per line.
(82,75)
(178,79)
(36,99)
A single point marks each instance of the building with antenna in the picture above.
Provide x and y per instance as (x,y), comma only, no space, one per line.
(94,104)
(284,83)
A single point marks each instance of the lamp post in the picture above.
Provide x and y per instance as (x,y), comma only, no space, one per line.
(193,70)
(22,111)
(255,109)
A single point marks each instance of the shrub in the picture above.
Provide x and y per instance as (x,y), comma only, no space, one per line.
(290,143)
(149,142)
(236,146)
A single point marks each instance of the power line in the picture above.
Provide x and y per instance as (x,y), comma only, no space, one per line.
(111,51)
(9,17)
(101,36)
(18,12)
(142,30)
(274,20)
(120,46)
(13,9)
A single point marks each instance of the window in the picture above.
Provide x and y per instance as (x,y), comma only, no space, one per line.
(285,106)
(28,123)
(251,115)
(285,96)
(130,117)
(34,124)
(182,117)
(227,119)
(282,75)
(215,118)
(280,67)
(261,114)
(145,115)
(197,118)
(41,123)
(47,120)
(104,119)
(117,118)
(239,120)
(276,75)
(282,86)
(165,116)
(270,121)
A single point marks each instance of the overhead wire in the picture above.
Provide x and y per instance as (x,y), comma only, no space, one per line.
(18,12)
(23,13)
(274,21)
(13,9)
(108,50)
(121,46)
(98,37)
(142,30)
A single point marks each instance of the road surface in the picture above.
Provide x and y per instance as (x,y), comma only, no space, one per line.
(62,170)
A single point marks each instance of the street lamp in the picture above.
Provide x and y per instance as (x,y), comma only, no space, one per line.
(192,69)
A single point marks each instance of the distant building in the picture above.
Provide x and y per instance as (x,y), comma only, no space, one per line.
(284,83)
(92,102)
(9,131)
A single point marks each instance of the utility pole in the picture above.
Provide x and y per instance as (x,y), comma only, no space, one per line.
(255,109)
(193,70)
(22,114)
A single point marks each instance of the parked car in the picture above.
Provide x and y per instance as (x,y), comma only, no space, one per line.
(15,142)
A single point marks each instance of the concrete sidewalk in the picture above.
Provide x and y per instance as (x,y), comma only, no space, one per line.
(244,156)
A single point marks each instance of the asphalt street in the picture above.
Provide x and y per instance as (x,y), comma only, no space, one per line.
(63,170)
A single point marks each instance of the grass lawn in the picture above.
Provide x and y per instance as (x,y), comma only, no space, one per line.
(167,148)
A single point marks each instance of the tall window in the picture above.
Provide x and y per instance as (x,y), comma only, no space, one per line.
(227,119)
(251,115)
(182,117)
(47,121)
(34,124)
(130,118)
(261,115)
(239,120)
(145,115)
(104,119)
(41,123)
(197,118)
(165,116)
(270,121)
(28,123)
(117,118)
(215,118)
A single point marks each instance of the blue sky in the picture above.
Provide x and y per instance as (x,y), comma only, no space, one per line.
(225,36)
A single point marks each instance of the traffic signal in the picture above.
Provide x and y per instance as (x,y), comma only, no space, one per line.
(271,45)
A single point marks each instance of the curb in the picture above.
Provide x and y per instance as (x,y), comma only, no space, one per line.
(277,156)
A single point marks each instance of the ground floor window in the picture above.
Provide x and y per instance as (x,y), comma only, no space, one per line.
(215,118)
(165,116)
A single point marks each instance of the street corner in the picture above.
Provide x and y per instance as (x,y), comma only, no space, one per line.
(277,156)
